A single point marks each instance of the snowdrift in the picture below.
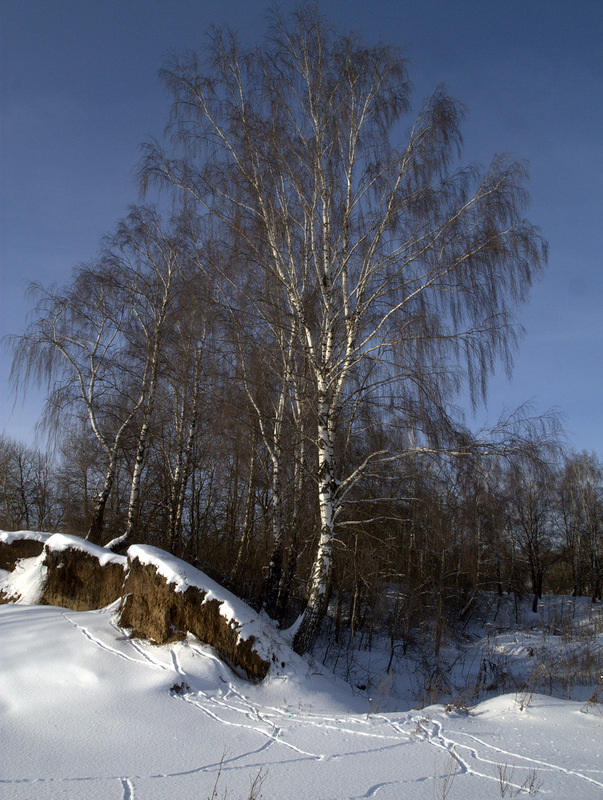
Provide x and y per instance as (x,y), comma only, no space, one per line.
(161,598)
(89,713)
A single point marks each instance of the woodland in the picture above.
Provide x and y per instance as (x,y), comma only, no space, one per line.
(261,372)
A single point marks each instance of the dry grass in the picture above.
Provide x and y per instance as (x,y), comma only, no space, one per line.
(561,671)
(255,790)
(506,775)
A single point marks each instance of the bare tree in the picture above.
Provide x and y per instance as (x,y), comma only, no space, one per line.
(189,379)
(397,270)
(271,392)
(99,343)
(28,488)
(147,256)
(76,345)
(581,505)
(530,502)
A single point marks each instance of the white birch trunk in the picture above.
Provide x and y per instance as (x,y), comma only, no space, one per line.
(96,525)
(321,568)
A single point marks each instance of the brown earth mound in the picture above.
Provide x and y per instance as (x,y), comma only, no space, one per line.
(11,552)
(153,610)
(78,581)
(150,606)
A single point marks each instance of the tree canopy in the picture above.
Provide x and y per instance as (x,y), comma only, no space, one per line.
(264,367)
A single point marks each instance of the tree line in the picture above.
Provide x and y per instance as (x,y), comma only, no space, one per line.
(446,531)
(258,371)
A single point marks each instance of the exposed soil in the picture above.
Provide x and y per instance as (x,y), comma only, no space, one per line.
(76,580)
(19,548)
(153,610)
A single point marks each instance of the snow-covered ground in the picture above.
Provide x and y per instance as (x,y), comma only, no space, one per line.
(87,712)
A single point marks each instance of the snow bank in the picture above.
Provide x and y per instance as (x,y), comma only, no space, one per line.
(59,542)
(92,714)
(182,575)
(25,583)
(162,597)
(8,537)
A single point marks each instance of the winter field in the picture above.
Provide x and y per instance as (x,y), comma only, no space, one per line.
(88,712)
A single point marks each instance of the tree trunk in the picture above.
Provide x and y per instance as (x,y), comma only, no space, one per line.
(243,550)
(275,569)
(537,580)
(596,569)
(321,569)
(182,472)
(135,488)
(318,597)
(288,573)
(96,525)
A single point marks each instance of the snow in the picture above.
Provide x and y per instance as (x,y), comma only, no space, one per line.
(8,537)
(62,541)
(88,712)
(25,584)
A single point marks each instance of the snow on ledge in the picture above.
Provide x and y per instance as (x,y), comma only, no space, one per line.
(8,537)
(181,575)
(63,541)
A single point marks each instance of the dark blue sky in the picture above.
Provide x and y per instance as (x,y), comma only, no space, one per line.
(79,92)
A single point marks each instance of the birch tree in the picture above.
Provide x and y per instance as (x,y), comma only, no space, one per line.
(397,268)
(147,255)
(189,377)
(75,345)
(97,343)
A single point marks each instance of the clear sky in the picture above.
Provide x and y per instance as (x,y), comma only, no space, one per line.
(79,92)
